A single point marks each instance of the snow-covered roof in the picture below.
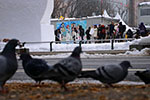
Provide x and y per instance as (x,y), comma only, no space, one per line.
(105,14)
(56,19)
(94,16)
(121,20)
(117,16)
(144,3)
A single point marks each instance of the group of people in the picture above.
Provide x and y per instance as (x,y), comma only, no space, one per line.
(97,32)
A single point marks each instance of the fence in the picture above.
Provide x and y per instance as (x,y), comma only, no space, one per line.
(112,41)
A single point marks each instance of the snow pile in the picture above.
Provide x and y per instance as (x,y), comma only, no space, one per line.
(143,52)
(142,40)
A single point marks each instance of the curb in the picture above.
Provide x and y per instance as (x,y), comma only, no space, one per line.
(88,52)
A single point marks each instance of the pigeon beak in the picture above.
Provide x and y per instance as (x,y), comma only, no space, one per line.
(131,67)
(18,43)
(21,44)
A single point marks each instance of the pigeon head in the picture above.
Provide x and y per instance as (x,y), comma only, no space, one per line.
(25,56)
(13,42)
(137,73)
(76,52)
(125,64)
(10,46)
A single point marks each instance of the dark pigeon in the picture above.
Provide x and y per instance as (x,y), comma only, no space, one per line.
(34,67)
(8,62)
(108,74)
(67,69)
(144,76)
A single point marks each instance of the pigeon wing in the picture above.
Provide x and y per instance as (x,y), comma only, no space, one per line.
(36,67)
(69,66)
(110,73)
(3,68)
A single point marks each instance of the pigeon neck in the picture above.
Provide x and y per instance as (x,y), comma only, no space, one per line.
(124,67)
(75,56)
(8,52)
(24,62)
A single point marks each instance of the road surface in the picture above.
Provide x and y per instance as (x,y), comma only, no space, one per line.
(138,63)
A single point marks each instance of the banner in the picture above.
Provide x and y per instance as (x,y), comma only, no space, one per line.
(70,29)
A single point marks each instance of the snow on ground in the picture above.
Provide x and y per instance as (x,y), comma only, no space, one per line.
(86,47)
(45,47)
(142,40)
(77,81)
(144,52)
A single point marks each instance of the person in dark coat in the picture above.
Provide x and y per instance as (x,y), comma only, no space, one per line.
(88,36)
(121,30)
(57,35)
(81,30)
(99,31)
(111,30)
(129,33)
(142,29)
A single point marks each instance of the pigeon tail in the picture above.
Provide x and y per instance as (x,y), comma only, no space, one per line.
(88,74)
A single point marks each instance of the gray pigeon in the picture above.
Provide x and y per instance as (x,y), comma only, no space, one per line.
(8,62)
(144,76)
(108,74)
(34,67)
(67,69)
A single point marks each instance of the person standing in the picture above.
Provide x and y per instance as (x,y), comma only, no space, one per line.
(103,32)
(129,34)
(81,31)
(57,35)
(74,34)
(142,29)
(99,32)
(122,29)
(88,35)
(111,30)
(95,32)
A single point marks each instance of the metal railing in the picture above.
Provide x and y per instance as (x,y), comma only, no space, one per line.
(112,41)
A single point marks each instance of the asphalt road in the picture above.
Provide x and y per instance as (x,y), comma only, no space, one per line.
(138,63)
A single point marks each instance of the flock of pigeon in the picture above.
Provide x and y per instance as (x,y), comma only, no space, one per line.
(64,71)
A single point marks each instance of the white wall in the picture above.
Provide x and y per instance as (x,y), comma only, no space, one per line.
(26,20)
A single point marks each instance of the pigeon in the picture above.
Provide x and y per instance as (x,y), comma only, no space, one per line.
(34,67)
(108,74)
(144,76)
(67,69)
(8,62)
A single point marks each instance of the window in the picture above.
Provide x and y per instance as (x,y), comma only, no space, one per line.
(145,12)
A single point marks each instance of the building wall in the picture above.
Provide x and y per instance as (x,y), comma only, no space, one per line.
(145,18)
(90,21)
(26,20)
(133,12)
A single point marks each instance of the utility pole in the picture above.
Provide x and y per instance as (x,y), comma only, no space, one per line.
(131,12)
